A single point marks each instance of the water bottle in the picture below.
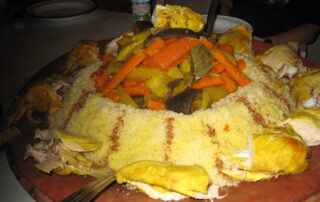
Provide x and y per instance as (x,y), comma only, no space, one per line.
(141,10)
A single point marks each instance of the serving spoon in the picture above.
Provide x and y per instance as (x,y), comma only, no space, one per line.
(180,32)
(211,18)
(91,190)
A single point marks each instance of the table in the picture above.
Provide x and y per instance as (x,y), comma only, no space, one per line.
(26,45)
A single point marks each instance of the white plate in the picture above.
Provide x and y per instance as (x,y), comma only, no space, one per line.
(224,23)
(61,9)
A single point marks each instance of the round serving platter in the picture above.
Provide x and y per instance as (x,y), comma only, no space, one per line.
(60,10)
(44,187)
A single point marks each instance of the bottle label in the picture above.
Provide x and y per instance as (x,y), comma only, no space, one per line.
(140,7)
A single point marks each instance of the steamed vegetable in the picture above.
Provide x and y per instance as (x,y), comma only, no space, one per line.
(137,90)
(228,83)
(239,37)
(156,104)
(208,81)
(125,69)
(182,102)
(125,98)
(202,61)
(182,85)
(171,54)
(241,64)
(232,70)
(167,69)
(154,46)
(136,41)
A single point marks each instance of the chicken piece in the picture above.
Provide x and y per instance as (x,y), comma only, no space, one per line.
(40,97)
(283,59)
(240,37)
(112,47)
(83,53)
(43,98)
(61,154)
(306,122)
(305,89)
(38,154)
(278,151)
(43,134)
(164,178)
(174,16)
(77,143)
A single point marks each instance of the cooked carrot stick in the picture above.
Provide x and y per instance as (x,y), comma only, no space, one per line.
(100,77)
(113,95)
(229,84)
(155,46)
(231,69)
(217,68)
(136,90)
(170,40)
(156,104)
(226,47)
(167,56)
(207,81)
(108,58)
(132,82)
(206,42)
(124,70)
(241,64)
(177,62)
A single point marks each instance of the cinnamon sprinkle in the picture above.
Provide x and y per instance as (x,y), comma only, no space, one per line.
(279,96)
(76,107)
(211,133)
(219,164)
(115,136)
(169,137)
(255,115)
(226,128)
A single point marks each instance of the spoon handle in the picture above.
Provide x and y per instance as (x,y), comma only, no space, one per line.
(90,191)
(212,14)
